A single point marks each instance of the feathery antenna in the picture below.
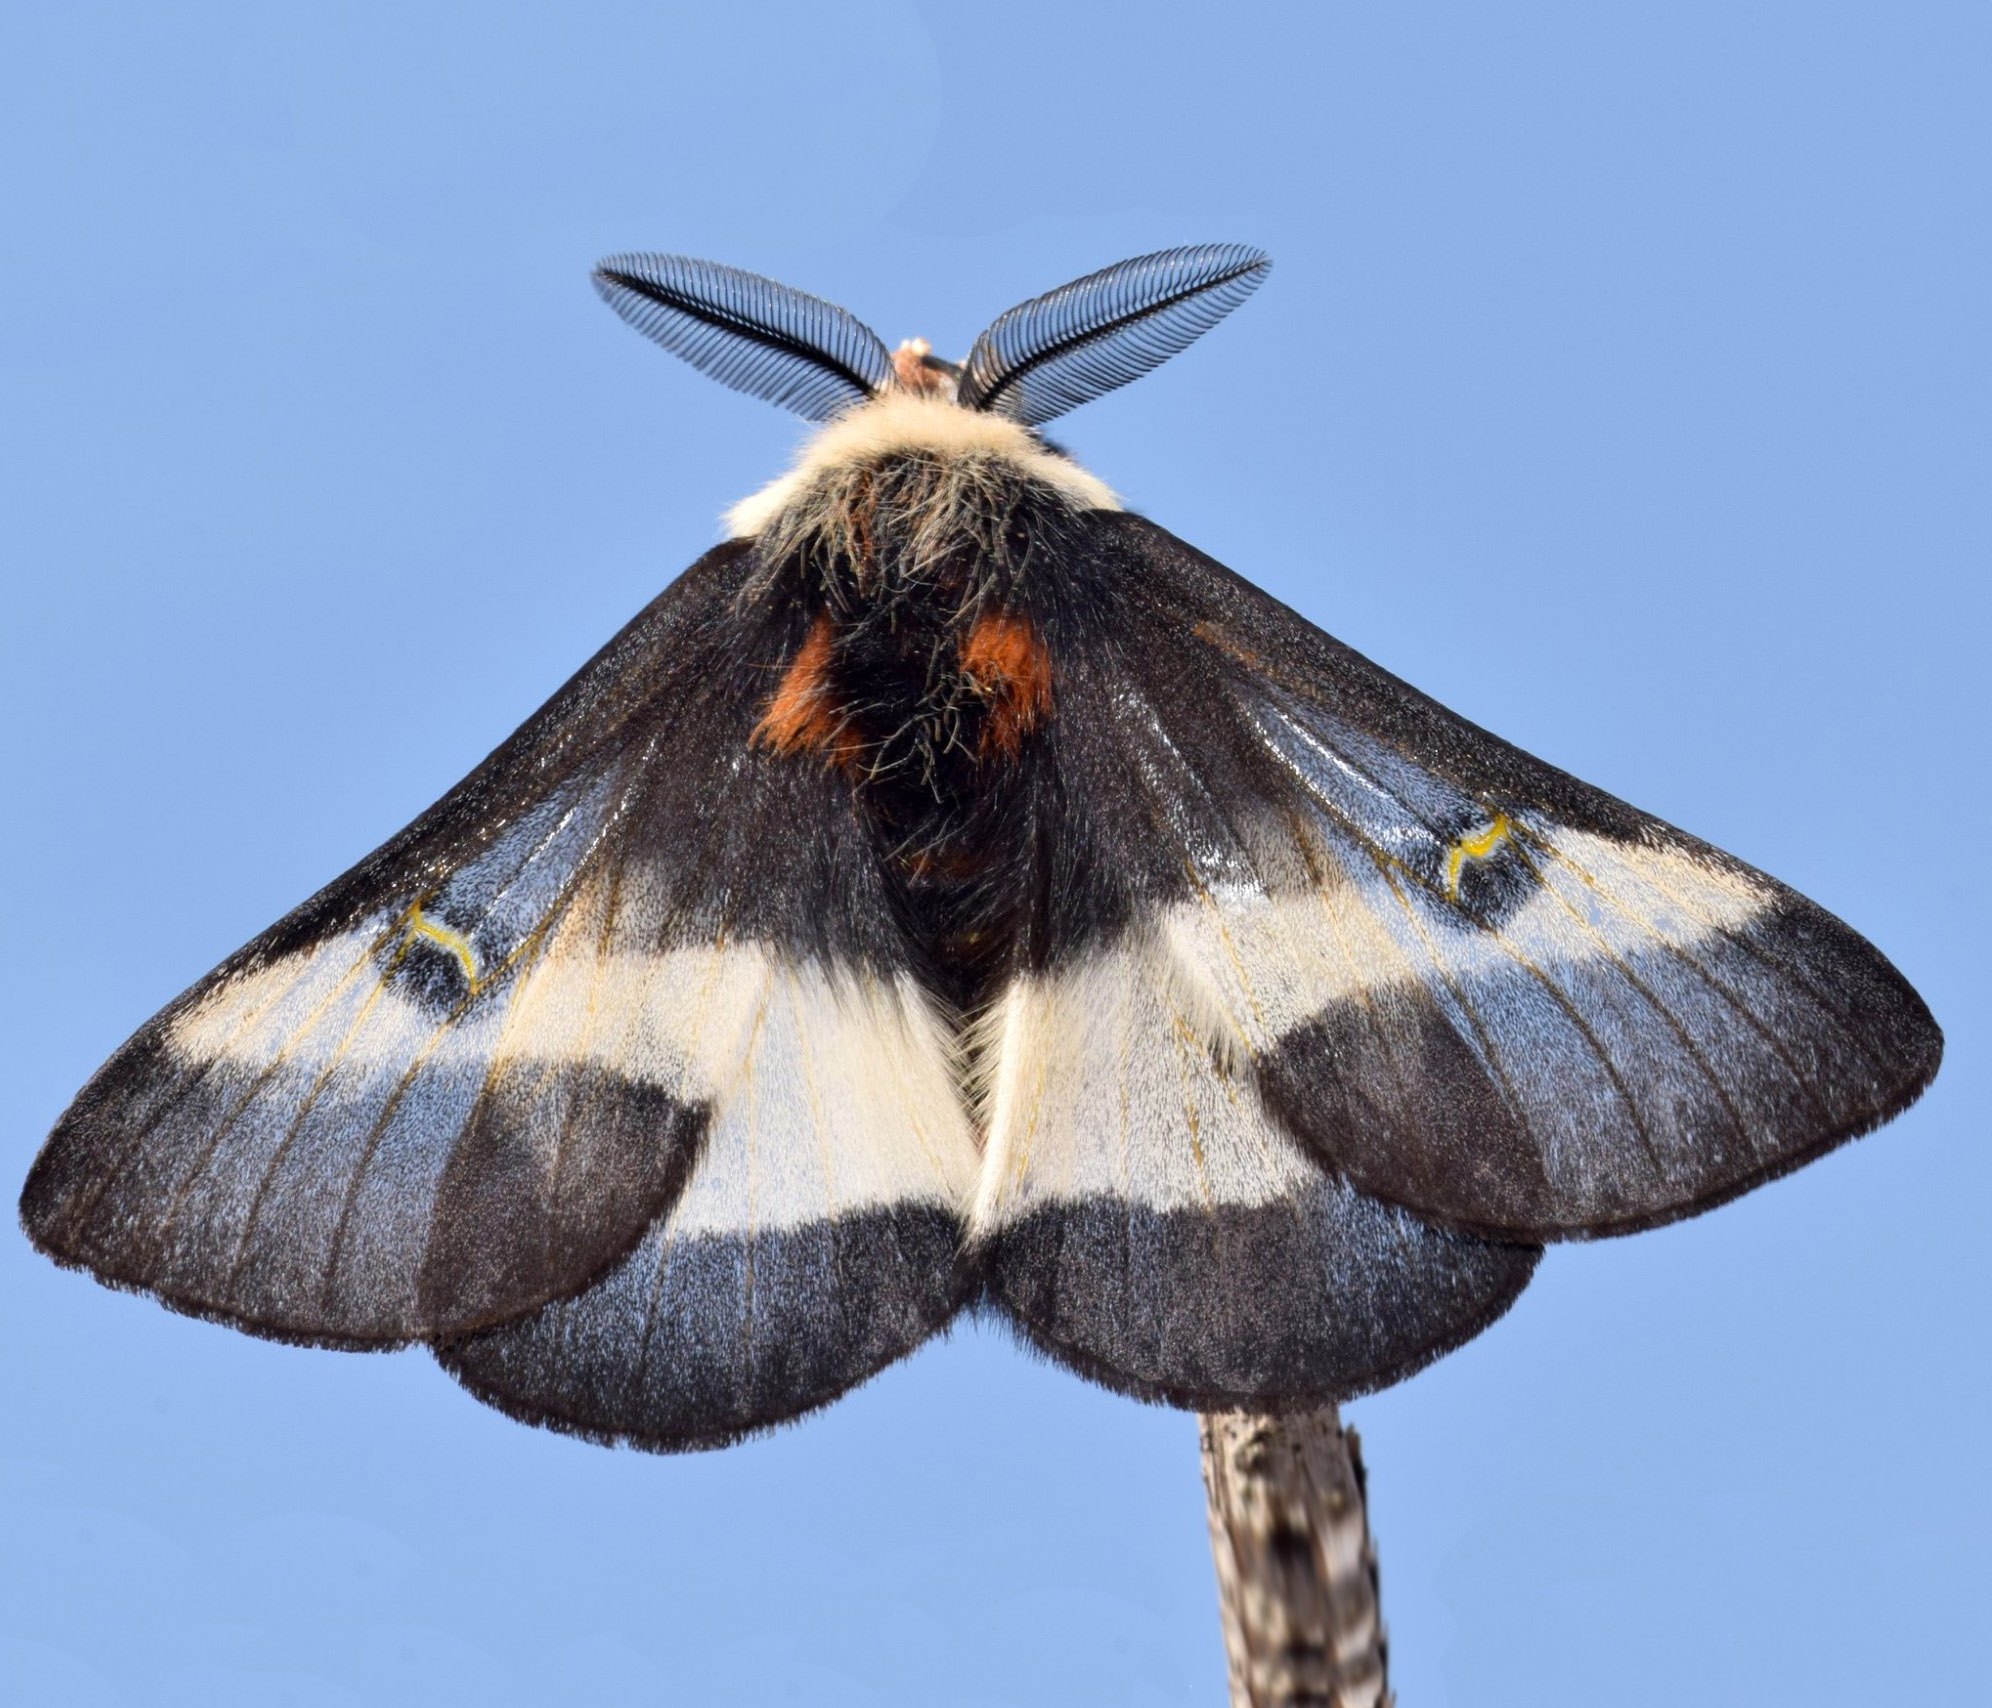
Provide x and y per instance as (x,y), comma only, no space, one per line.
(748,332)
(1069,346)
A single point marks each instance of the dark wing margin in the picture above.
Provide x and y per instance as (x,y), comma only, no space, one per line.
(700,1338)
(1467,983)
(634,978)
(778,344)
(1315,1300)
(1071,345)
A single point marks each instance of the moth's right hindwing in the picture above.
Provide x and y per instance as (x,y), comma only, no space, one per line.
(1144,1219)
(633,963)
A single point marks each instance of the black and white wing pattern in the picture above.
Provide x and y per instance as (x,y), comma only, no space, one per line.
(1336,1007)
(620,1078)
(1304,912)
(630,994)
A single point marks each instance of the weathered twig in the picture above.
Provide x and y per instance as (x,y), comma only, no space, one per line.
(1296,1567)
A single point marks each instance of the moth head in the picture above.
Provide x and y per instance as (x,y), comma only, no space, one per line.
(1034,362)
(917,371)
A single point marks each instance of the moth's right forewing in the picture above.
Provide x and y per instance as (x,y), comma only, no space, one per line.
(1472,984)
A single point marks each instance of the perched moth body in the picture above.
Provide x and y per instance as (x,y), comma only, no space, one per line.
(956,891)
(923,568)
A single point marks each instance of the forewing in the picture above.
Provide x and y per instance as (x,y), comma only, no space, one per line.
(1470,984)
(467,1077)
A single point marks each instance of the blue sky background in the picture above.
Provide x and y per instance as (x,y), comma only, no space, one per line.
(1622,380)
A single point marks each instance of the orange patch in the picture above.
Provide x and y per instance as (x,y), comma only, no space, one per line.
(1005,662)
(804,716)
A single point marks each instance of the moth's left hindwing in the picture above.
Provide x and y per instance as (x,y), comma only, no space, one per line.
(818,1239)
(631,989)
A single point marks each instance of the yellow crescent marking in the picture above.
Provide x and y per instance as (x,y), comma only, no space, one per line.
(420,925)
(1474,848)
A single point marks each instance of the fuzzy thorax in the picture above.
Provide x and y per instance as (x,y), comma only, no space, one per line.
(972,447)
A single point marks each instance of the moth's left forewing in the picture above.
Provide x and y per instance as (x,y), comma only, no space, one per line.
(371,1124)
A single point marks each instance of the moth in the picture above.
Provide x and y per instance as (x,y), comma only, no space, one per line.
(955,891)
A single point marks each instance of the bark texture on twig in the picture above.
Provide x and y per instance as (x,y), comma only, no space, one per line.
(1296,1567)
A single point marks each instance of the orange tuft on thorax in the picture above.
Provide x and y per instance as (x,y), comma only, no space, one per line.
(804,715)
(1006,663)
